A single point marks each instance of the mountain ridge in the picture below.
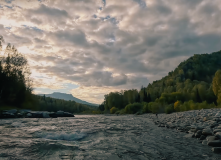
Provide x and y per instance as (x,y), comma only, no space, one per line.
(67,97)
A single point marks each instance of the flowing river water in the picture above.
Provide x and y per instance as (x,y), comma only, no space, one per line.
(96,137)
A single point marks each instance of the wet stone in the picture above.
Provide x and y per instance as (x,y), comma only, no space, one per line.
(211,138)
(204,142)
(207,132)
(215,143)
(216,149)
(189,136)
(216,130)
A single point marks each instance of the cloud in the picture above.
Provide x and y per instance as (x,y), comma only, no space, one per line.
(68,37)
(109,45)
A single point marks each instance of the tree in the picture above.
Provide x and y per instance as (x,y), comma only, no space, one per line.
(217,85)
(15,84)
(217,82)
(145,98)
(138,98)
(101,107)
(198,99)
(148,98)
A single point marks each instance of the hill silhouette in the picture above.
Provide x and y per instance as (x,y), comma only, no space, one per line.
(68,97)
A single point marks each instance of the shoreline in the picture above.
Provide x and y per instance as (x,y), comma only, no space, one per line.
(204,125)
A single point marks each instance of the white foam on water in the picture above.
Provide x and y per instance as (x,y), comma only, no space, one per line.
(62,136)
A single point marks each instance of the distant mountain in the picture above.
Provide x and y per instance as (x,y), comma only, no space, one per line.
(67,97)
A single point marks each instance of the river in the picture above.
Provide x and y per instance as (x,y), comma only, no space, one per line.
(88,137)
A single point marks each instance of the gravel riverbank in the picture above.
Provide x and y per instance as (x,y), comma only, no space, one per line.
(204,125)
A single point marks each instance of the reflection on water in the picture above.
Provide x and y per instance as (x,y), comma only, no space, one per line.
(95,137)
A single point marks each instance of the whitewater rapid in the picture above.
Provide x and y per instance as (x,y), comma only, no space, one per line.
(95,137)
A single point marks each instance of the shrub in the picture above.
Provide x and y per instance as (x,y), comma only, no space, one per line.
(133,108)
(145,107)
(176,105)
(96,112)
(122,111)
(169,109)
(113,110)
(156,107)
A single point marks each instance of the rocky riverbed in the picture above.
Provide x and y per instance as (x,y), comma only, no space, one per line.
(97,137)
(204,125)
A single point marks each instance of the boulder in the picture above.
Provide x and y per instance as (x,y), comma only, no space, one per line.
(45,115)
(207,118)
(7,115)
(34,114)
(213,124)
(218,135)
(207,131)
(216,130)
(12,111)
(211,138)
(19,115)
(53,115)
(215,143)
(202,137)
(198,134)
(189,135)
(216,149)
(218,115)
(29,115)
(204,142)
(188,127)
(64,114)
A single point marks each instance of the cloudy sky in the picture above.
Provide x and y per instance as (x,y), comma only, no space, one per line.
(91,47)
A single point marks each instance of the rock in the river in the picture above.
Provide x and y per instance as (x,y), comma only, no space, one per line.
(216,149)
(53,115)
(7,115)
(64,114)
(45,115)
(12,111)
(215,143)
(29,115)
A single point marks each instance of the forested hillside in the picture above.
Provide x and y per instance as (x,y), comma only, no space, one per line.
(189,86)
(67,97)
(52,104)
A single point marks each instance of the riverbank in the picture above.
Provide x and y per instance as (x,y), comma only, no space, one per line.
(204,125)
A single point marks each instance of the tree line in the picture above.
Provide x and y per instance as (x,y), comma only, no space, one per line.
(16,86)
(194,84)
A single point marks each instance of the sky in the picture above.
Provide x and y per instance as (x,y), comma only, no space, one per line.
(89,48)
